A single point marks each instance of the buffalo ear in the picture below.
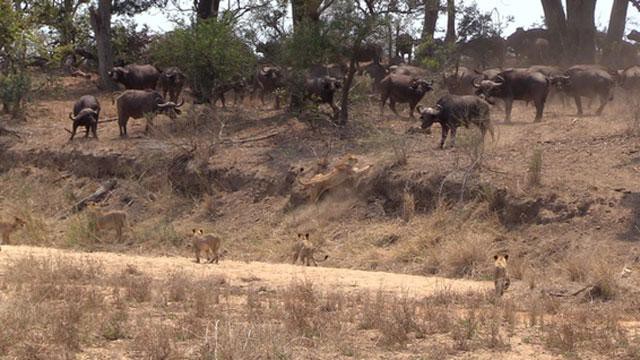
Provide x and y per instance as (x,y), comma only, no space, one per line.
(419,108)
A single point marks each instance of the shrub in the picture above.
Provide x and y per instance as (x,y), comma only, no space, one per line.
(208,53)
(14,89)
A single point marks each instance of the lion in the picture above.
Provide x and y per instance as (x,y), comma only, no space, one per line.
(207,243)
(115,220)
(8,228)
(501,275)
(304,250)
(341,173)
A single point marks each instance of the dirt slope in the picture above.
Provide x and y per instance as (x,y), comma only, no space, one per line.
(258,274)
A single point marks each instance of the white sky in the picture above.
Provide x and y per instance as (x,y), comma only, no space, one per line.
(525,13)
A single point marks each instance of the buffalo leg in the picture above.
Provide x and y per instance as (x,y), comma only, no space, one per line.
(94,130)
(392,106)
(578,104)
(603,102)
(412,106)
(86,131)
(384,102)
(443,138)
(508,106)
(277,102)
(73,132)
(452,138)
(222,100)
(539,103)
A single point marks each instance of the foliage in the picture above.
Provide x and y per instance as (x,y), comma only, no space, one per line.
(475,24)
(129,44)
(435,54)
(208,53)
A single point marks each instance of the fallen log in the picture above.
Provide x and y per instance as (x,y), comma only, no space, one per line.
(98,195)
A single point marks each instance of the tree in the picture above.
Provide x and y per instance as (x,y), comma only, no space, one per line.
(556,24)
(615,32)
(431,9)
(206,9)
(581,31)
(450,36)
(308,10)
(101,24)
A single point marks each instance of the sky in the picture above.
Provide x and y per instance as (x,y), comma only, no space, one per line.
(524,12)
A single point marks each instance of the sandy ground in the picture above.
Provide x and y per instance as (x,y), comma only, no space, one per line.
(258,274)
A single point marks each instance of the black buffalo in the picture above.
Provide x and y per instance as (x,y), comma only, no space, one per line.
(135,76)
(172,80)
(136,103)
(453,111)
(403,89)
(516,84)
(587,81)
(322,90)
(86,112)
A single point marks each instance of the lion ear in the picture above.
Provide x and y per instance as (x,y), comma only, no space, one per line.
(506,256)
(299,235)
(495,257)
(201,231)
(307,236)
(193,230)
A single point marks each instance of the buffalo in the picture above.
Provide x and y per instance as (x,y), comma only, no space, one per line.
(404,46)
(403,89)
(459,81)
(268,80)
(453,111)
(86,112)
(334,70)
(172,81)
(133,76)
(136,103)
(321,90)
(629,78)
(369,52)
(587,81)
(516,84)
(239,86)
(377,72)
(484,50)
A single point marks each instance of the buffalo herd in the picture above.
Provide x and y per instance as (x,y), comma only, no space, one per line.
(471,91)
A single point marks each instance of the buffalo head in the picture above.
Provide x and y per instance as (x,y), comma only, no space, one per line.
(429,116)
(118,73)
(421,86)
(88,115)
(170,108)
(561,82)
(490,88)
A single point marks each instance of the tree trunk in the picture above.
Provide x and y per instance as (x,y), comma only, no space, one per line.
(343,115)
(101,24)
(206,9)
(305,9)
(556,22)
(581,31)
(612,49)
(431,8)
(450,37)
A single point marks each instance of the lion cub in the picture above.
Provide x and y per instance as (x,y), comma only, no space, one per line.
(207,243)
(115,220)
(304,250)
(341,173)
(501,276)
(7,228)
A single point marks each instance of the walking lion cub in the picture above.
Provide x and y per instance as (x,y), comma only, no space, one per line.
(7,228)
(501,276)
(114,220)
(208,244)
(305,250)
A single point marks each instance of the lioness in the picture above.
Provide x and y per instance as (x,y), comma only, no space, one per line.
(501,276)
(207,243)
(304,250)
(341,172)
(7,228)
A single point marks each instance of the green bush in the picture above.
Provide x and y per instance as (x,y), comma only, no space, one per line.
(14,89)
(208,53)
